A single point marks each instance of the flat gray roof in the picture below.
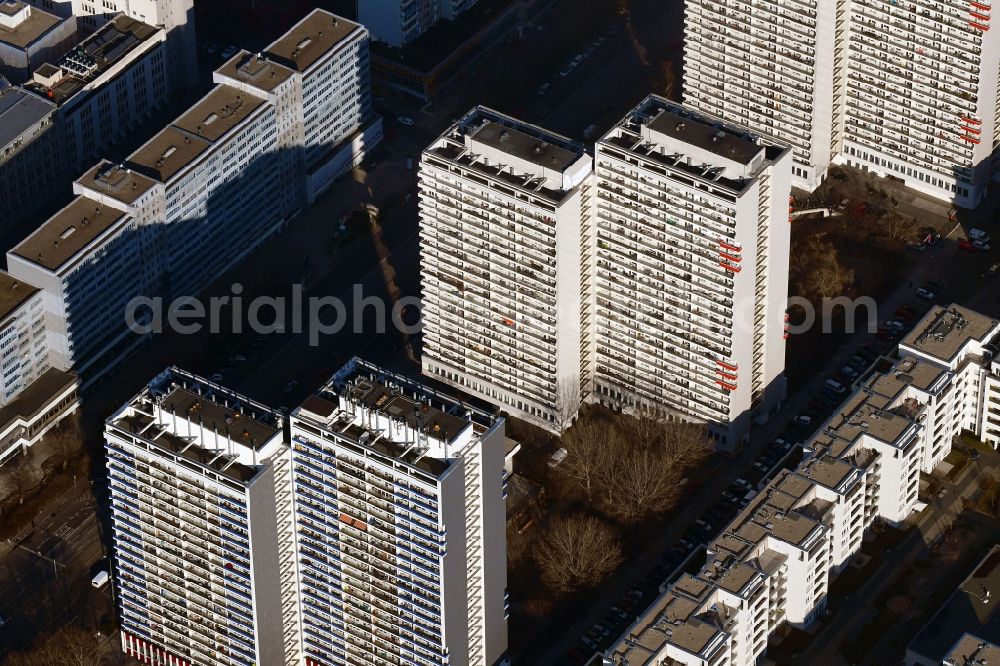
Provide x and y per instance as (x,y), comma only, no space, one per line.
(38,23)
(19,111)
(311,38)
(13,293)
(945,330)
(116,181)
(262,73)
(727,141)
(67,232)
(533,148)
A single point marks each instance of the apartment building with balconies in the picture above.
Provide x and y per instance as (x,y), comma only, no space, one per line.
(768,66)
(921,99)
(692,240)
(399,524)
(966,346)
(902,90)
(506,270)
(862,464)
(196,473)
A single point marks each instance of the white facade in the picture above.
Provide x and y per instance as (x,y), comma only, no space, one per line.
(768,66)
(399,524)
(162,223)
(691,279)
(862,464)
(898,89)
(194,471)
(503,234)
(24,352)
(375,534)
(921,99)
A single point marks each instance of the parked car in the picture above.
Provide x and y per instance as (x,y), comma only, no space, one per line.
(887,335)
(567,70)
(849,372)
(217,377)
(979,234)
(743,484)
(588,643)
(544,88)
(835,386)
(405,120)
(229,52)
(290,386)
(981,245)
(966,245)
(994,269)
(932,239)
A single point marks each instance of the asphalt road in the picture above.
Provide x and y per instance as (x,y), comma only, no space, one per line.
(45,571)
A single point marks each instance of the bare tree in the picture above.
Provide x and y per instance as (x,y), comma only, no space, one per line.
(644,484)
(70,646)
(685,444)
(567,402)
(21,475)
(816,270)
(899,227)
(589,445)
(577,551)
(66,438)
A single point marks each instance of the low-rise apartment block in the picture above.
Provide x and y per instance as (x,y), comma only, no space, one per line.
(504,265)
(773,562)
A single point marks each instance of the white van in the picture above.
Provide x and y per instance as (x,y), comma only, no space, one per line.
(979,234)
(100,580)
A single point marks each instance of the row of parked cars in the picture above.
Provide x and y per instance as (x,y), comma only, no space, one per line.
(688,553)
(580,57)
